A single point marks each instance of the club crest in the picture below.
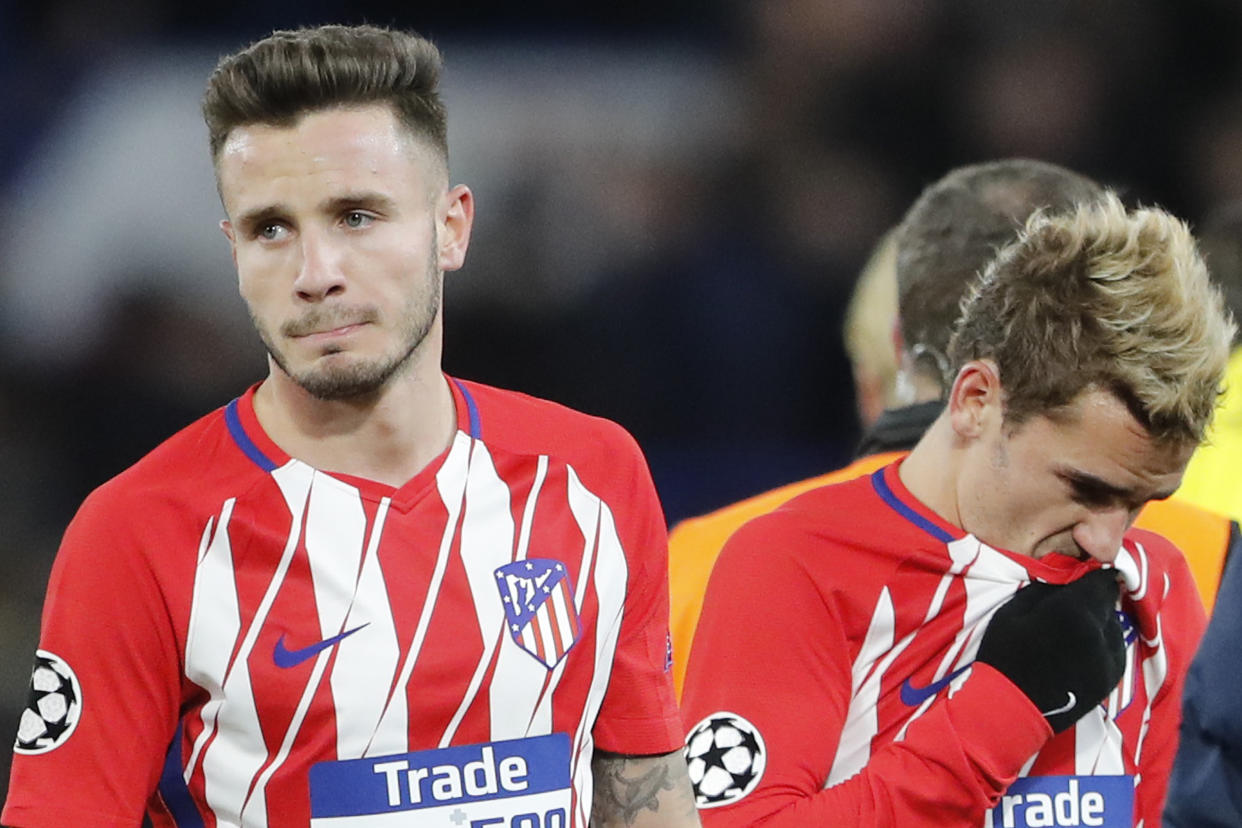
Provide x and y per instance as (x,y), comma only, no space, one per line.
(539,607)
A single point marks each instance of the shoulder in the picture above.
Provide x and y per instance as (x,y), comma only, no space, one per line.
(728,518)
(840,514)
(522,424)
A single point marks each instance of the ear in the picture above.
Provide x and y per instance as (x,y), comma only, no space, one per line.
(976,398)
(226,227)
(455,220)
(899,341)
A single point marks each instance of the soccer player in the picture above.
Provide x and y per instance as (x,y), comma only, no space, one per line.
(362,593)
(974,635)
(948,235)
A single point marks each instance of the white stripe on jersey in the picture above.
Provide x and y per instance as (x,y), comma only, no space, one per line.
(392,732)
(1098,745)
(336,536)
(367,659)
(962,553)
(603,554)
(861,719)
(230,764)
(1155,671)
(483,590)
(214,568)
(488,538)
(991,579)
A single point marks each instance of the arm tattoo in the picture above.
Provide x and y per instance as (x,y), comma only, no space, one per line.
(629,787)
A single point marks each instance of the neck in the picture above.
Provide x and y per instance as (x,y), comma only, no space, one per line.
(388,436)
(930,471)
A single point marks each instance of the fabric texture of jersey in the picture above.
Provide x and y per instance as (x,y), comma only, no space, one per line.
(1205,790)
(259,642)
(842,627)
(1211,480)
(1204,537)
(695,543)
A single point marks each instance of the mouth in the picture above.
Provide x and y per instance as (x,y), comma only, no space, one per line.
(330,333)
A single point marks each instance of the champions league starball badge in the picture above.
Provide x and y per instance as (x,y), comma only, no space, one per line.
(725,756)
(53,708)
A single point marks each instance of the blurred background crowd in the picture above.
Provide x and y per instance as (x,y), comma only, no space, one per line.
(674,200)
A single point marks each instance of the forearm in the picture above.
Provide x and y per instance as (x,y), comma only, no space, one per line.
(642,792)
(954,764)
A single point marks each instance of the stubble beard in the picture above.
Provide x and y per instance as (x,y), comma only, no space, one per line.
(352,377)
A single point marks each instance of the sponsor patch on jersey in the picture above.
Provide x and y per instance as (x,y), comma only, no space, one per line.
(518,782)
(1060,801)
(538,598)
(726,756)
(53,707)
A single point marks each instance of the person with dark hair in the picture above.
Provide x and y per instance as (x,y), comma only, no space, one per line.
(975,634)
(363,592)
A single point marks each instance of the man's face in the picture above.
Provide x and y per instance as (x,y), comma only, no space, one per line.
(341,226)
(1071,484)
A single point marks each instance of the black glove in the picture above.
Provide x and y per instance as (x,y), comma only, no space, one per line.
(1062,645)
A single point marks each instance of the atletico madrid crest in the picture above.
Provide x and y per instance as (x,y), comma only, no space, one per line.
(539,607)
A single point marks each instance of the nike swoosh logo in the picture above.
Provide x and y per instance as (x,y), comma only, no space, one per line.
(912,696)
(286,658)
(1069,705)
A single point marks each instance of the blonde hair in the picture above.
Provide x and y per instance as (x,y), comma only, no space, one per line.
(1106,298)
(868,330)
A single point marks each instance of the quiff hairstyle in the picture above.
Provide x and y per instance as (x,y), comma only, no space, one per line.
(951,232)
(279,79)
(1220,240)
(1101,298)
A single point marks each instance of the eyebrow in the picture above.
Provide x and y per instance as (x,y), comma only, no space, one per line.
(253,218)
(371,199)
(1097,486)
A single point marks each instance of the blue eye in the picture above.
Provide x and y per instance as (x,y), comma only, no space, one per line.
(271,231)
(355,219)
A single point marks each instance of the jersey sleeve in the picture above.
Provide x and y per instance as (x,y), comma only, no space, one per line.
(639,714)
(772,650)
(106,624)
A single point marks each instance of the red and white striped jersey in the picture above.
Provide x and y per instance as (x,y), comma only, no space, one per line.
(833,682)
(250,641)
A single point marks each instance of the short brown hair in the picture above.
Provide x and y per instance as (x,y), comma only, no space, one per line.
(955,228)
(284,76)
(1101,297)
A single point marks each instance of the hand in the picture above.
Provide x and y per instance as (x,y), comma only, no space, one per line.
(1061,645)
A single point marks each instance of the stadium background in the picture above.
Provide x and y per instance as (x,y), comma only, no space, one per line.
(673,198)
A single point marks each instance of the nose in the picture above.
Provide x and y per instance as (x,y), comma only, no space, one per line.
(1099,533)
(320,274)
